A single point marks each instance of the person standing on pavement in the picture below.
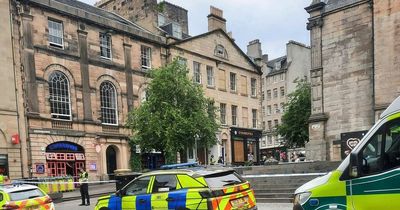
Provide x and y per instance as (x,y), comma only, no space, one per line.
(84,187)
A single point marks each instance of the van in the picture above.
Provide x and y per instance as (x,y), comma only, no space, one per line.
(368,179)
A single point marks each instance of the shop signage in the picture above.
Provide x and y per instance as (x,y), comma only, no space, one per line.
(92,167)
(63,146)
(40,168)
(349,141)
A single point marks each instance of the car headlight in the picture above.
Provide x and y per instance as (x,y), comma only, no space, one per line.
(302,198)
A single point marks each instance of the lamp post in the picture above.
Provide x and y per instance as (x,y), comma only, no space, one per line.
(196,138)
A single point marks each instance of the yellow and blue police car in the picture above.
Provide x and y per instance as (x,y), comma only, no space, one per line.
(183,189)
(24,196)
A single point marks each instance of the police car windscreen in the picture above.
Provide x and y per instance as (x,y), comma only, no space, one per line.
(25,194)
(220,180)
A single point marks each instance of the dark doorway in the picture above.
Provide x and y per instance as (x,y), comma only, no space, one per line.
(111,155)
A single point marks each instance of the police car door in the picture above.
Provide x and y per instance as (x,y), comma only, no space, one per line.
(165,194)
(136,195)
(378,187)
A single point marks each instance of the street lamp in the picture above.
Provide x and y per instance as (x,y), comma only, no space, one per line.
(196,138)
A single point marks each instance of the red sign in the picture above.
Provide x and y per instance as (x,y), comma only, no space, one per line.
(15,139)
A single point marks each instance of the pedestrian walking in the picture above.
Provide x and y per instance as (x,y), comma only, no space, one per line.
(84,187)
(221,160)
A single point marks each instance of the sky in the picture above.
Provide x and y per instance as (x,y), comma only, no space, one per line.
(273,22)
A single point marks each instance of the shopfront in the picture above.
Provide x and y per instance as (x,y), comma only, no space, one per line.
(245,145)
(64,159)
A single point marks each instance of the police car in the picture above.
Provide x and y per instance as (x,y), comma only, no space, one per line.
(368,179)
(24,196)
(183,189)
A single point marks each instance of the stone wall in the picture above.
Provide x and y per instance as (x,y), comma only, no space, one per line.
(387,51)
(347,73)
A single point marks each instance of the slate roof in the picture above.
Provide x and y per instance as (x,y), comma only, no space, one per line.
(336,4)
(284,65)
(97,11)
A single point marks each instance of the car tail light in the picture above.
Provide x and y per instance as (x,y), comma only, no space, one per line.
(10,206)
(206,194)
(48,200)
(218,193)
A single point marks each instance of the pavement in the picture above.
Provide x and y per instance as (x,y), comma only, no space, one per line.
(95,191)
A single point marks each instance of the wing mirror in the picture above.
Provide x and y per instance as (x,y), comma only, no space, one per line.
(353,166)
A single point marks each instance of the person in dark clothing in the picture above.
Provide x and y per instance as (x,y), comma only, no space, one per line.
(84,188)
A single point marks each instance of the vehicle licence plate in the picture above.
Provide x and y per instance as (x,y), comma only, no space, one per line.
(240,202)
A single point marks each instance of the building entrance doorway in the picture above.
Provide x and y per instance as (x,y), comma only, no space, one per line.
(111,155)
(64,159)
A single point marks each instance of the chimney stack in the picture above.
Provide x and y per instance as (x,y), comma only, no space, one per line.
(216,19)
(254,49)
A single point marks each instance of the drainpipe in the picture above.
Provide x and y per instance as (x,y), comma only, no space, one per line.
(373,59)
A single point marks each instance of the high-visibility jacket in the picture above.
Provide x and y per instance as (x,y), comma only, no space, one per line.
(1,179)
(83,177)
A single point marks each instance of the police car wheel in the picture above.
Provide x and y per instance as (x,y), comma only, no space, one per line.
(104,208)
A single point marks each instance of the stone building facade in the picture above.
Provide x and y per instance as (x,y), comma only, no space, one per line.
(212,58)
(354,66)
(13,156)
(84,69)
(278,80)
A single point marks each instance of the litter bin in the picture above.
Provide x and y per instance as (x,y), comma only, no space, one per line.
(124,178)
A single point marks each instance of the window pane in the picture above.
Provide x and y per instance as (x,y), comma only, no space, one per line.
(233,81)
(146,57)
(137,187)
(223,113)
(196,72)
(55,33)
(210,76)
(164,181)
(108,100)
(59,96)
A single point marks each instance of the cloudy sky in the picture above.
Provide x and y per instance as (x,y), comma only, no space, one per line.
(273,22)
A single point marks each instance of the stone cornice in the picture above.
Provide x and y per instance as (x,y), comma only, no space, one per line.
(315,7)
(320,117)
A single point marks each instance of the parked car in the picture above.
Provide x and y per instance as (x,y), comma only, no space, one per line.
(24,197)
(183,189)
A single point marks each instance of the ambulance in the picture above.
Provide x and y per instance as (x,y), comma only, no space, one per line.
(368,179)
(183,189)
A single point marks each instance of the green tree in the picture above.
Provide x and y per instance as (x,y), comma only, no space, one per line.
(174,114)
(294,126)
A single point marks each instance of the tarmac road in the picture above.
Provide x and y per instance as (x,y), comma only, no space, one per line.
(74,205)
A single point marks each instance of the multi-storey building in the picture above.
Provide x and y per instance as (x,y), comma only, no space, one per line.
(79,70)
(13,156)
(215,62)
(84,69)
(280,80)
(354,70)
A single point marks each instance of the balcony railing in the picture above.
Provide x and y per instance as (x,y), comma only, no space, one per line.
(64,125)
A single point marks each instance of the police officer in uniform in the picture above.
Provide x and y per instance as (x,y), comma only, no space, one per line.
(84,188)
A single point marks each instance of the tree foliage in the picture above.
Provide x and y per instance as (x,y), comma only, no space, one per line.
(294,126)
(174,114)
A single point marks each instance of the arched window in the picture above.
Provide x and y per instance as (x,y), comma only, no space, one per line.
(60,102)
(108,100)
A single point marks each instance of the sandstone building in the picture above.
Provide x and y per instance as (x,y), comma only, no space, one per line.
(84,69)
(354,69)
(279,79)
(217,64)
(78,70)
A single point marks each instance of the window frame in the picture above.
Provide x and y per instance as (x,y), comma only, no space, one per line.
(275,93)
(66,98)
(222,113)
(133,182)
(234,114)
(282,91)
(254,118)
(197,72)
(232,82)
(269,95)
(145,56)
(210,76)
(253,85)
(115,109)
(107,46)
(51,43)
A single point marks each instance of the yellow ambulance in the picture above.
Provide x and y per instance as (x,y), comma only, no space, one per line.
(183,189)
(368,179)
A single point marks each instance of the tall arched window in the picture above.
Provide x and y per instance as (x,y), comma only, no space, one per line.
(108,100)
(60,102)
